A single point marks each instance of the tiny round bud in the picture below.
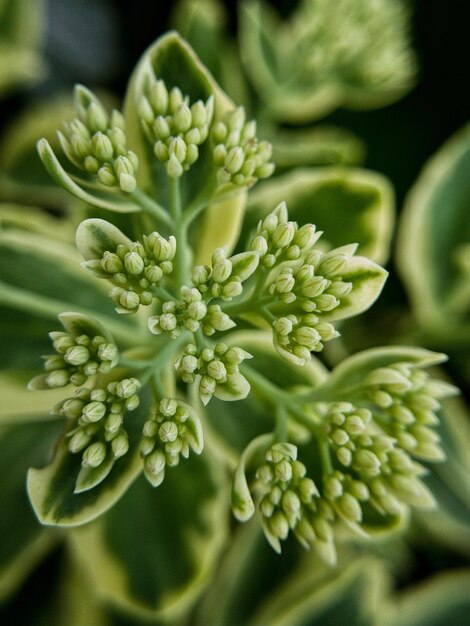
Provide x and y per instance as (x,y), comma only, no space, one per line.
(94,455)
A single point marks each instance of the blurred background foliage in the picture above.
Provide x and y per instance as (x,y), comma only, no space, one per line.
(45,48)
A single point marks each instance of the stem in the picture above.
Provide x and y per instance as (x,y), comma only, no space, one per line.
(162,358)
(194,210)
(325,456)
(49,308)
(180,232)
(162,293)
(150,206)
(250,304)
(265,388)
(281,432)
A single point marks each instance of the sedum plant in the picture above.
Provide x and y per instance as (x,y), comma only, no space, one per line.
(190,320)
(344,449)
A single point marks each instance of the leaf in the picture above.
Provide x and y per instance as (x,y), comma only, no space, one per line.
(52,489)
(350,374)
(367,280)
(236,388)
(433,230)
(27,542)
(441,600)
(96,236)
(99,200)
(34,219)
(22,174)
(153,553)
(352,594)
(18,402)
(321,145)
(360,200)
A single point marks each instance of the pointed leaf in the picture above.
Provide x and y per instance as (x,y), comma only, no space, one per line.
(130,554)
(361,200)
(52,489)
(95,236)
(236,388)
(102,201)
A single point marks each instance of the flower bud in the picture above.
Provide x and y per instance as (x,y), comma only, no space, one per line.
(94,455)
(133,263)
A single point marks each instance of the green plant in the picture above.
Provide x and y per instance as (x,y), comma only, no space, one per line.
(181,376)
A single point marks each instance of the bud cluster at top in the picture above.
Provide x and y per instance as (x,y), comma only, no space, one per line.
(77,358)
(96,143)
(98,417)
(134,269)
(215,367)
(174,126)
(170,432)
(240,157)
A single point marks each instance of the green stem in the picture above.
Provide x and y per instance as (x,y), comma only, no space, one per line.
(248,305)
(180,229)
(281,431)
(150,206)
(325,456)
(265,388)
(194,210)
(162,293)
(49,308)
(162,358)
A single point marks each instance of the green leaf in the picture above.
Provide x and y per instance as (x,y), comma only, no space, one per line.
(52,489)
(22,175)
(27,542)
(350,374)
(99,199)
(432,240)
(18,402)
(360,200)
(352,595)
(153,553)
(236,388)
(321,145)
(96,236)
(439,601)
(34,219)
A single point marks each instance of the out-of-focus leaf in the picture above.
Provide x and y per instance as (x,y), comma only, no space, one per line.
(322,145)
(155,550)
(371,67)
(352,594)
(450,481)
(22,26)
(22,175)
(433,253)
(361,201)
(33,219)
(52,489)
(440,601)
(24,540)
(19,404)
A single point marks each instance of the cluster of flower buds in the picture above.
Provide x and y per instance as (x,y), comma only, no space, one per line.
(96,143)
(290,501)
(345,494)
(411,397)
(78,357)
(296,336)
(98,416)
(134,269)
(304,279)
(174,127)
(190,313)
(278,240)
(383,467)
(217,369)
(171,431)
(241,159)
(224,279)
